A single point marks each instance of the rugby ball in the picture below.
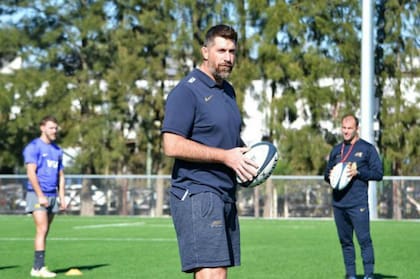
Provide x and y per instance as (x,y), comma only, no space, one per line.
(265,155)
(339,178)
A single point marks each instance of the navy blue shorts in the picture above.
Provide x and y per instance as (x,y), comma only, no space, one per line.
(207,230)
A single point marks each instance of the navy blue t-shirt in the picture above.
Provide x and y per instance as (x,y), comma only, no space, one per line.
(369,167)
(200,110)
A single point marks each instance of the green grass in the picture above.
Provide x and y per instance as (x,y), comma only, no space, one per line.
(135,247)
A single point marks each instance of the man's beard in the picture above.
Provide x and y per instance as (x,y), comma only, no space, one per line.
(222,72)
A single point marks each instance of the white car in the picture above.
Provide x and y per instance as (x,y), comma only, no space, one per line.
(72,196)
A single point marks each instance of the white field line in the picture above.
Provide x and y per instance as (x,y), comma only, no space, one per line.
(116,225)
(121,239)
(100,226)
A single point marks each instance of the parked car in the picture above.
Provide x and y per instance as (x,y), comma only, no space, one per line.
(99,197)
(12,198)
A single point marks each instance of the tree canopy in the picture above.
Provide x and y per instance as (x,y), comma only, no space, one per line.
(105,67)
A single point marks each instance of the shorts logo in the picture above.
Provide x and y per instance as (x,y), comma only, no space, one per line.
(216,224)
(362,209)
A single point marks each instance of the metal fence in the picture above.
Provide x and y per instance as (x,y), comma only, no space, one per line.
(279,197)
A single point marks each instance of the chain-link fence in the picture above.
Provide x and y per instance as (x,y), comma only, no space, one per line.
(279,197)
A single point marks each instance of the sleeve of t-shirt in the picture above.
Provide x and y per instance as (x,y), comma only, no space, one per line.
(30,154)
(60,162)
(179,112)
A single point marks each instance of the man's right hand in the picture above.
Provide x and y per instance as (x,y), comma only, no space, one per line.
(43,201)
(244,167)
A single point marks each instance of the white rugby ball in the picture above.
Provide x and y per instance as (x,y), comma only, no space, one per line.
(265,155)
(339,178)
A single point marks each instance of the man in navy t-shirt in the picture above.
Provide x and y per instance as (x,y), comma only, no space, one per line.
(44,168)
(350,204)
(201,130)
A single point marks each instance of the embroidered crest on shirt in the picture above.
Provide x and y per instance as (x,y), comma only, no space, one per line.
(191,80)
(358,154)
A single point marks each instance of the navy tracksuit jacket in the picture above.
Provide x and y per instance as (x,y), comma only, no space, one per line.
(351,209)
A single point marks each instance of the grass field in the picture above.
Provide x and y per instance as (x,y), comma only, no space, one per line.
(133,247)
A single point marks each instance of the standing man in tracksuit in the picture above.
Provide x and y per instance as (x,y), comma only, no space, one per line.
(350,205)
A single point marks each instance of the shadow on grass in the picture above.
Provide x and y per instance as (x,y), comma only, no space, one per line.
(8,267)
(80,267)
(379,276)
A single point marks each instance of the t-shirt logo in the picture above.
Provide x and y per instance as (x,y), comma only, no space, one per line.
(52,164)
(191,80)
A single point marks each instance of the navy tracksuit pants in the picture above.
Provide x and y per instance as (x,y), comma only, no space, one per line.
(355,219)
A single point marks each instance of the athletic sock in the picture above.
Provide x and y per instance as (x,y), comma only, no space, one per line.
(39,260)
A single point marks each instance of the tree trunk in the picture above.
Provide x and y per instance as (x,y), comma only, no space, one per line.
(256,202)
(87,207)
(396,194)
(160,195)
(123,197)
(268,200)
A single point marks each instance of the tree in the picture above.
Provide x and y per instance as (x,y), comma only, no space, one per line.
(104,69)
(302,45)
(397,49)
(13,139)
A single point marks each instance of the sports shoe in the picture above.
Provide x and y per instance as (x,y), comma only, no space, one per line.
(42,273)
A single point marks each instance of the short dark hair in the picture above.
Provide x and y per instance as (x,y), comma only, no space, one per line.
(352,116)
(221,30)
(47,118)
